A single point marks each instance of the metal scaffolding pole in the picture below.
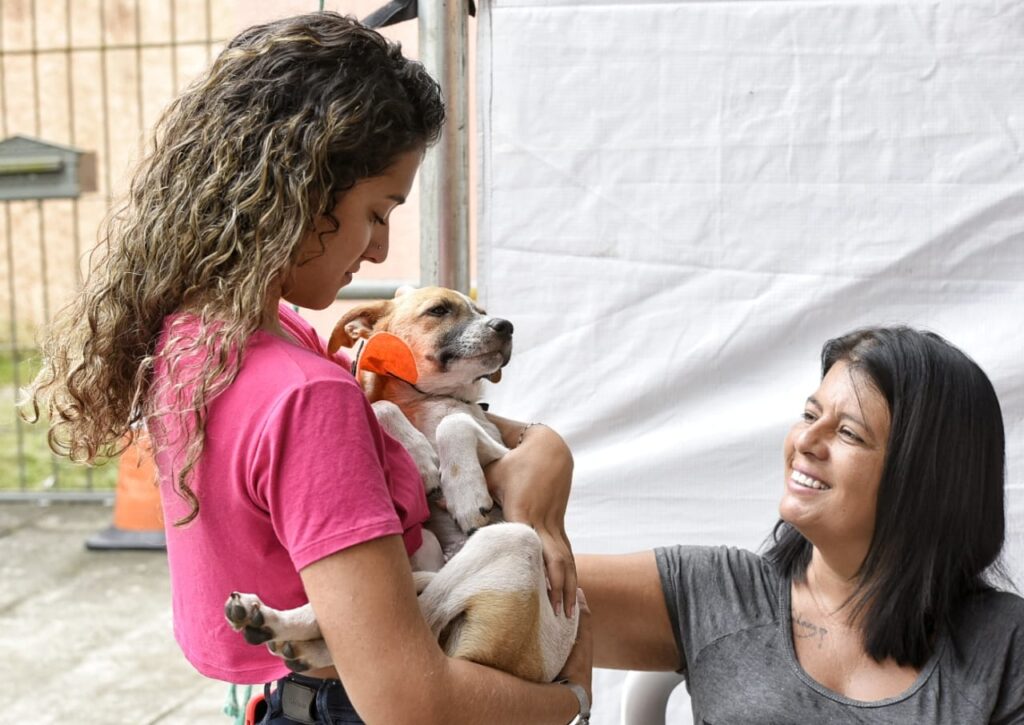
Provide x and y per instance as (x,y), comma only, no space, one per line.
(444,176)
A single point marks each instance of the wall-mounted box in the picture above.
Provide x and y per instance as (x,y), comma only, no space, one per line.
(33,169)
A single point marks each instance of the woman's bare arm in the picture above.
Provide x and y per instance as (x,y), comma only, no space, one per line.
(532,483)
(394,670)
(632,630)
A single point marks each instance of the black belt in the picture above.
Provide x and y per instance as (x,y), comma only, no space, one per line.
(298,701)
(309,700)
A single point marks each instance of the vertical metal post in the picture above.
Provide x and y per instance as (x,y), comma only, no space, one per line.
(444,177)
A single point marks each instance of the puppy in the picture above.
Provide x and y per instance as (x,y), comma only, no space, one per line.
(432,408)
(489,602)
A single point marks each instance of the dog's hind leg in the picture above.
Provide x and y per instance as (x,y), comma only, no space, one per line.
(259,623)
(302,655)
(291,634)
(494,558)
(489,605)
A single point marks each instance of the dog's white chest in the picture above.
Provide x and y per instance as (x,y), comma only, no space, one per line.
(427,417)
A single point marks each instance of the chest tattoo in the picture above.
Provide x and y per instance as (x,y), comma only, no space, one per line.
(805,629)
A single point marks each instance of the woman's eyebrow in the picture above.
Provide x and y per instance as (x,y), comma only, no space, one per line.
(856,420)
(843,415)
(397,198)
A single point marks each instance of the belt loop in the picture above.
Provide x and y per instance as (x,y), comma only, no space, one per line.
(323,712)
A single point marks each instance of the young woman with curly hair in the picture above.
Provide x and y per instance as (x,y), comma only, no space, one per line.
(270,181)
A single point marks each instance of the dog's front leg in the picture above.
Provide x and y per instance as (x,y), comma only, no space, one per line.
(291,634)
(464,448)
(393,420)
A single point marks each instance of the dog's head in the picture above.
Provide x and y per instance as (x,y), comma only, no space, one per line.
(453,341)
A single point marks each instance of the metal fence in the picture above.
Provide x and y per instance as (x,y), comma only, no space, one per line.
(93,75)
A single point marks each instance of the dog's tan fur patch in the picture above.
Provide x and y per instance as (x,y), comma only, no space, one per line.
(502,630)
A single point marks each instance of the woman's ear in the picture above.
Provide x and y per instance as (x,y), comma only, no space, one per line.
(359,322)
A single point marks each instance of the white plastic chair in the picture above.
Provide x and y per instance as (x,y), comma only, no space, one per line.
(645,697)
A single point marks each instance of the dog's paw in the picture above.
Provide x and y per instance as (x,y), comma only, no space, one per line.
(302,656)
(432,481)
(471,510)
(245,614)
(466,495)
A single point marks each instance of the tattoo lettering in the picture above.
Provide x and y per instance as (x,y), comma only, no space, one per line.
(805,629)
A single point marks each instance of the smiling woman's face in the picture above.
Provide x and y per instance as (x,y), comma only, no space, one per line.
(834,457)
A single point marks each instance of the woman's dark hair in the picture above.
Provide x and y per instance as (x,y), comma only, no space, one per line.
(940,519)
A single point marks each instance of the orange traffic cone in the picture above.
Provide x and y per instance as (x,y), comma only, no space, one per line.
(138,516)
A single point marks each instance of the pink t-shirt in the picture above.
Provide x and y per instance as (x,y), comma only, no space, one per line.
(294,468)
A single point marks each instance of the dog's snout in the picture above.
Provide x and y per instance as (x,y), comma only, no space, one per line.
(502,327)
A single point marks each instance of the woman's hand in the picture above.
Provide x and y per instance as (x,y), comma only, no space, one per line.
(579,668)
(532,483)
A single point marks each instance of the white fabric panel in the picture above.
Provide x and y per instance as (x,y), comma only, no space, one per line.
(682,201)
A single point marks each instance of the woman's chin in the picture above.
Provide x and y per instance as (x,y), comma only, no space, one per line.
(311,303)
(792,512)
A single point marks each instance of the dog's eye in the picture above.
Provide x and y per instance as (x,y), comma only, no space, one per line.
(439,310)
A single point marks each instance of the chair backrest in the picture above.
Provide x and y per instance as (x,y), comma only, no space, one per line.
(645,696)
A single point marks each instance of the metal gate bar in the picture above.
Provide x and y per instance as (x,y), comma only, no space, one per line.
(56,486)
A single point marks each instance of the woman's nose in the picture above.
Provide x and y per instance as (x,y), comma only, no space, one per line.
(811,441)
(377,252)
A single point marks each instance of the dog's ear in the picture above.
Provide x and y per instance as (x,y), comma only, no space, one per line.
(356,323)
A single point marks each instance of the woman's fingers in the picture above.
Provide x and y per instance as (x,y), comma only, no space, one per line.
(560,568)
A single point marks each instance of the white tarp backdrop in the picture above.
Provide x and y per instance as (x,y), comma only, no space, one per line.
(682,200)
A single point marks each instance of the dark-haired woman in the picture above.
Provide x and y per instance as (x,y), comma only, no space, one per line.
(270,181)
(875,601)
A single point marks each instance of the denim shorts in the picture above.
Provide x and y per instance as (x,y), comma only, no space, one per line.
(296,699)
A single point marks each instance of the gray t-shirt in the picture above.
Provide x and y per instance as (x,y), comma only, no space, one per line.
(730,611)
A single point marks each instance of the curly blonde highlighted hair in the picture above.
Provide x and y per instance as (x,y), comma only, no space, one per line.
(290,116)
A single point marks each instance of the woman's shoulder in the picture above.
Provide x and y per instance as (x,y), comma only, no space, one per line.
(986,660)
(274,369)
(987,621)
(727,557)
(303,331)
(729,571)
(309,354)
(994,608)
(297,326)
(716,592)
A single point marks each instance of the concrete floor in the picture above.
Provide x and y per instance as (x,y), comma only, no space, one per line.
(86,636)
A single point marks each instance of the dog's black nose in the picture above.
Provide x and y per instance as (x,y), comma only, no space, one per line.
(502,327)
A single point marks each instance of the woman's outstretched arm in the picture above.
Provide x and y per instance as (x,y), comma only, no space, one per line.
(632,630)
